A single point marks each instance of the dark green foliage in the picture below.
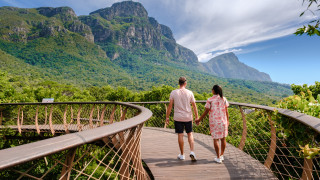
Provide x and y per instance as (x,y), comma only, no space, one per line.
(315,89)
(313,27)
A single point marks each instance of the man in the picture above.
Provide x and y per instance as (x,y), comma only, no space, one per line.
(181,98)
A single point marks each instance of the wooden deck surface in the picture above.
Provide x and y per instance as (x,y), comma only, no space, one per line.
(160,149)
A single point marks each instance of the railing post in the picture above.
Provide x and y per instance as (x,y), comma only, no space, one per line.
(65,125)
(18,120)
(65,172)
(46,115)
(112,114)
(71,115)
(102,115)
(36,120)
(91,116)
(21,122)
(273,145)
(307,169)
(123,114)
(125,155)
(140,171)
(244,129)
(50,120)
(78,118)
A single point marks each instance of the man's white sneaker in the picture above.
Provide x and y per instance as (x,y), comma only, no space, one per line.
(193,156)
(218,160)
(222,158)
(181,157)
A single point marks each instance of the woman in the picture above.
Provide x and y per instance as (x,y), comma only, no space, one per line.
(217,107)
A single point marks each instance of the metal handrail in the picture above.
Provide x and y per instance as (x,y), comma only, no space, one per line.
(308,120)
(31,151)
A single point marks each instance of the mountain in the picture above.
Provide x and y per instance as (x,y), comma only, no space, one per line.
(118,45)
(228,66)
(127,25)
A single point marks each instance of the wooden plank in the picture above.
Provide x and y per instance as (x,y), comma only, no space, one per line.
(160,150)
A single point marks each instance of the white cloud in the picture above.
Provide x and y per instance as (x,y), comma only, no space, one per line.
(222,25)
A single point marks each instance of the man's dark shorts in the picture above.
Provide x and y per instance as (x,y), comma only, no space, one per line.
(181,126)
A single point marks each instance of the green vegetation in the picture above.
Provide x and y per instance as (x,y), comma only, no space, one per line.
(22,89)
(313,27)
(306,99)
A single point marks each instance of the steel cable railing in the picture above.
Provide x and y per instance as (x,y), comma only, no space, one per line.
(113,151)
(99,140)
(257,131)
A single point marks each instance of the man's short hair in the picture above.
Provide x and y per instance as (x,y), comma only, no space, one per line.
(182,80)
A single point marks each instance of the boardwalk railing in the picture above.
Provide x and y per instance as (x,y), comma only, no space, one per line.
(98,140)
(270,135)
(82,140)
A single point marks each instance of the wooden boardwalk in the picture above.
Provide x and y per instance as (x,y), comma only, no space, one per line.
(160,149)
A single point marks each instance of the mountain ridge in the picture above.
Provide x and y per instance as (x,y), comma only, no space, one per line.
(128,25)
(228,65)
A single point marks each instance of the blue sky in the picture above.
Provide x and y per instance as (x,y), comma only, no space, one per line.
(259,32)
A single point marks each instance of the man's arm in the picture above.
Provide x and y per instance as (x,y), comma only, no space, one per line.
(195,110)
(169,111)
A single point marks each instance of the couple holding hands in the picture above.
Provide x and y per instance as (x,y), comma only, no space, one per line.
(216,106)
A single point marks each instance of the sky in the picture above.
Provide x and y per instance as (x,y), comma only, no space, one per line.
(259,32)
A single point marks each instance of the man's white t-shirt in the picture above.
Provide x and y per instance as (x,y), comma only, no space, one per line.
(182,108)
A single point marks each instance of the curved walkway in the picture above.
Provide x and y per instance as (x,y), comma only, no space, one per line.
(159,148)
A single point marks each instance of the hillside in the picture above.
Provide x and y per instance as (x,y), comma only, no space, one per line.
(117,46)
(228,66)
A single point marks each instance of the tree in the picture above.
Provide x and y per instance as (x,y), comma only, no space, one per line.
(313,27)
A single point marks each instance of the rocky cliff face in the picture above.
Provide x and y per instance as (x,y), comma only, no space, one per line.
(228,66)
(29,24)
(127,25)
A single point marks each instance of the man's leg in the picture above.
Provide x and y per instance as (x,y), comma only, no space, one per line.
(188,127)
(180,142)
(179,130)
(191,141)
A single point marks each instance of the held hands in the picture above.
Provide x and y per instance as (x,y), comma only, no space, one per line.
(197,121)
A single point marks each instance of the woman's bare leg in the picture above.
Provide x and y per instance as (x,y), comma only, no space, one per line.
(223,145)
(216,147)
